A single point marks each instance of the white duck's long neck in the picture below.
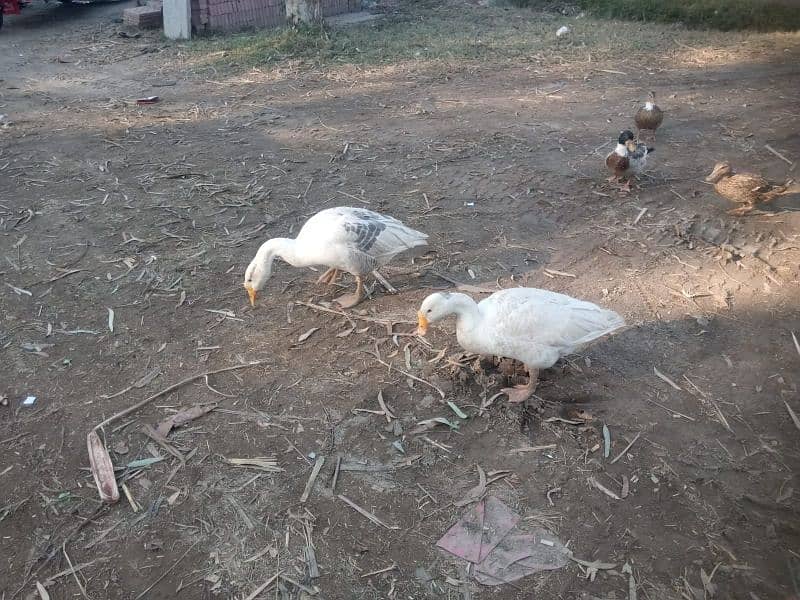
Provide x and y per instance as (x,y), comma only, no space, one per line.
(285,248)
(467,314)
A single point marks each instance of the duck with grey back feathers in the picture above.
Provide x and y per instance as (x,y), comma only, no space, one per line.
(628,159)
(355,240)
(531,325)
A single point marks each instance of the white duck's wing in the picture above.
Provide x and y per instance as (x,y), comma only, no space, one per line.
(538,326)
(370,239)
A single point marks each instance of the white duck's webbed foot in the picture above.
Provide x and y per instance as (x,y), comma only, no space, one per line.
(329,276)
(520,393)
(351,300)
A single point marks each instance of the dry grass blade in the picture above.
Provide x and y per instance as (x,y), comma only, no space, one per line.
(365,512)
(666,379)
(73,571)
(532,449)
(796,343)
(603,489)
(262,587)
(778,154)
(102,468)
(722,418)
(262,463)
(793,415)
(168,571)
(407,374)
(42,591)
(391,567)
(303,337)
(628,447)
(669,410)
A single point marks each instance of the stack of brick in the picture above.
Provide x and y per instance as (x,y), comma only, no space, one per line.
(143,17)
(231,15)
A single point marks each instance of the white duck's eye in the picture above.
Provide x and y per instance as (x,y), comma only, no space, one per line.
(429,310)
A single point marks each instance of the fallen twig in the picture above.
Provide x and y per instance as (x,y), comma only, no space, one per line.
(263,586)
(165,573)
(793,415)
(778,154)
(666,379)
(532,449)
(365,512)
(391,567)
(172,388)
(312,478)
(407,374)
(100,460)
(384,322)
(603,489)
(669,410)
(72,570)
(628,447)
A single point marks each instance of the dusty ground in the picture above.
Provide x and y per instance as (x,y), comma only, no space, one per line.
(154,212)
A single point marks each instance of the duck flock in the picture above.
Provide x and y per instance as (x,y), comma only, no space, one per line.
(533,326)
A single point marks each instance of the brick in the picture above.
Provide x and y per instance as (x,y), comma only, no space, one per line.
(144,17)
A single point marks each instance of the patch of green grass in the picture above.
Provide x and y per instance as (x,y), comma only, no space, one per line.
(725,15)
(431,32)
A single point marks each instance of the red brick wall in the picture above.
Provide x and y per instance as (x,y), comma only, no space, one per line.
(230,15)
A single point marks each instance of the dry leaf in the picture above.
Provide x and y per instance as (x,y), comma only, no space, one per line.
(307,335)
(110,320)
(182,417)
(147,377)
(42,591)
(475,493)
(345,333)
(102,468)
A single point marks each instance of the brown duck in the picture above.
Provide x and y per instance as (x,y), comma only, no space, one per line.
(746,189)
(649,116)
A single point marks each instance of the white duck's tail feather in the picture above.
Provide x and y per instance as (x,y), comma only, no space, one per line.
(598,323)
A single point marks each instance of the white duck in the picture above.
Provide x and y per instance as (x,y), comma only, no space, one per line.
(354,240)
(531,325)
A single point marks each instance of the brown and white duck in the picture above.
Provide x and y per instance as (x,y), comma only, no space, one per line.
(649,117)
(748,190)
(628,159)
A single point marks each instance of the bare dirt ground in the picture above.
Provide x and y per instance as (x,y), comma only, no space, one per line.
(154,212)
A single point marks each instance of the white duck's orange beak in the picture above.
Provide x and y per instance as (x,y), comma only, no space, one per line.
(251,293)
(422,322)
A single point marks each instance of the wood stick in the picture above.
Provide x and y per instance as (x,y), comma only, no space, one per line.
(669,410)
(336,473)
(532,449)
(628,447)
(262,587)
(391,567)
(73,571)
(384,282)
(793,415)
(312,478)
(364,512)
(414,377)
(313,306)
(172,388)
(778,154)
(168,571)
